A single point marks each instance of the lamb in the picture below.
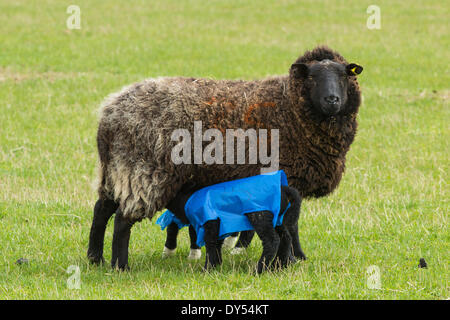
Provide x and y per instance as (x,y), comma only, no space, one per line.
(274,204)
(314,108)
(171,241)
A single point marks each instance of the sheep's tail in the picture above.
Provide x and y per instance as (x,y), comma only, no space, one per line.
(295,200)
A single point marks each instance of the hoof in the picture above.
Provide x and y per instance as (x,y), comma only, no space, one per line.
(195,254)
(116,267)
(122,269)
(237,250)
(229,242)
(168,252)
(209,268)
(301,258)
(97,260)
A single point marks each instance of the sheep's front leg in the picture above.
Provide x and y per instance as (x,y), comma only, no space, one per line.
(212,244)
(121,240)
(262,223)
(103,210)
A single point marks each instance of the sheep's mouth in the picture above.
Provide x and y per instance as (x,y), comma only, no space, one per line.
(329,109)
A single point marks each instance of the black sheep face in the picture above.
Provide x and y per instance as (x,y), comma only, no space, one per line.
(327,82)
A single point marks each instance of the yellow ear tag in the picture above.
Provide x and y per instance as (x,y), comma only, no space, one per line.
(354,70)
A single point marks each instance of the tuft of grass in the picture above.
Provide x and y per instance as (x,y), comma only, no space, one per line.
(390,210)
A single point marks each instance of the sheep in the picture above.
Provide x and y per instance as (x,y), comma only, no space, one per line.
(280,244)
(314,109)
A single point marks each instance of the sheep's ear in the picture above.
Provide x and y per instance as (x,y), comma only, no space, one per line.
(353,69)
(300,70)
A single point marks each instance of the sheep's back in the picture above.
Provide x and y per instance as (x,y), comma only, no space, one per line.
(135,127)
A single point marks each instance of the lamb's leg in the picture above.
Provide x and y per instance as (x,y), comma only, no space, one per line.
(291,217)
(230,241)
(121,239)
(297,250)
(284,253)
(212,244)
(103,210)
(245,238)
(171,240)
(196,252)
(262,223)
(219,245)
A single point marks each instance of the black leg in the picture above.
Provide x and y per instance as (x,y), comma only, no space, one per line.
(172,233)
(193,237)
(121,239)
(213,250)
(291,217)
(284,253)
(219,244)
(195,252)
(245,238)
(103,210)
(297,250)
(262,223)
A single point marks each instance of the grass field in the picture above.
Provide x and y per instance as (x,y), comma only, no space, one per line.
(391,208)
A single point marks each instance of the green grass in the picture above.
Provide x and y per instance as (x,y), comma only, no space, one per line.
(390,209)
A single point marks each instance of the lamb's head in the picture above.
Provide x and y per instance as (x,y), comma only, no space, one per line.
(176,205)
(326,83)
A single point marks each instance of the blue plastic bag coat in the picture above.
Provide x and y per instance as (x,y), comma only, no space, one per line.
(230,201)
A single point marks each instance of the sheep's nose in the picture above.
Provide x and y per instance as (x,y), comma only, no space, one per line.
(332,99)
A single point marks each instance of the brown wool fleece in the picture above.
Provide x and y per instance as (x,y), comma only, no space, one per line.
(134,134)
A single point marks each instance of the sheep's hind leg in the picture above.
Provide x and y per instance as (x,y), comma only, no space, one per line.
(262,223)
(121,240)
(284,254)
(171,240)
(297,249)
(103,210)
(212,244)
